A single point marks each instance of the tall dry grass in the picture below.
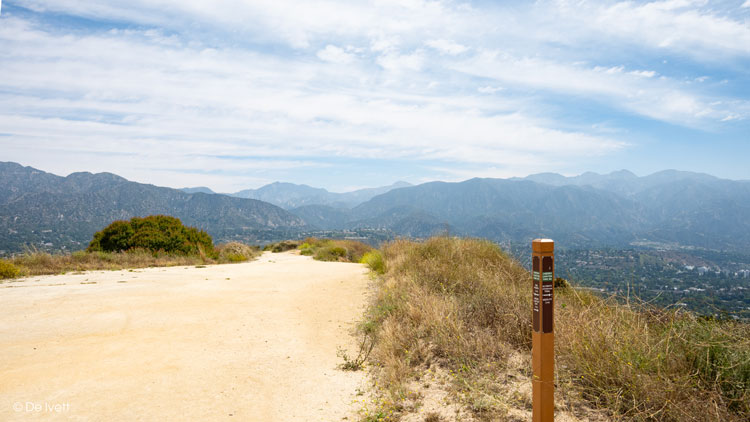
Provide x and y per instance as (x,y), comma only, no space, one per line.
(34,263)
(343,250)
(464,305)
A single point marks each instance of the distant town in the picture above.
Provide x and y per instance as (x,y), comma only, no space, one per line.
(711,283)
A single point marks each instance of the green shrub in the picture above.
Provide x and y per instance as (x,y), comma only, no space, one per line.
(334,249)
(236,252)
(8,270)
(283,246)
(374,261)
(153,233)
(330,253)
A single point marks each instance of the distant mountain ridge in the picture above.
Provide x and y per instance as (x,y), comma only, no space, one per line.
(199,189)
(622,182)
(590,210)
(616,209)
(39,208)
(290,195)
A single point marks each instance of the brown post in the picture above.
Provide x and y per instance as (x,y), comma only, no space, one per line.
(543,336)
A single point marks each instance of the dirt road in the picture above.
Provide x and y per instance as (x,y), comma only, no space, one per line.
(244,342)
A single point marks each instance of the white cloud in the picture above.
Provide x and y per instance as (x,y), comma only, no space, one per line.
(249,81)
(635,91)
(447,46)
(746,4)
(296,22)
(399,62)
(489,89)
(158,104)
(335,54)
(643,73)
(684,26)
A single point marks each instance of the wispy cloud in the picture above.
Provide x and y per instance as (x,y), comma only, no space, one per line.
(447,46)
(425,81)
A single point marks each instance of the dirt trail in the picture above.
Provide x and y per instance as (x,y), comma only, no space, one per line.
(243,342)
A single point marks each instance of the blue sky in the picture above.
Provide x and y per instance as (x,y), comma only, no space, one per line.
(235,94)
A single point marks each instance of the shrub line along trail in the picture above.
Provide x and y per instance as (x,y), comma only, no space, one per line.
(248,342)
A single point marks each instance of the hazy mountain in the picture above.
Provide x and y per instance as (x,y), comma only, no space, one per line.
(590,210)
(506,210)
(199,189)
(622,182)
(323,217)
(40,208)
(290,195)
(706,212)
(287,195)
(669,207)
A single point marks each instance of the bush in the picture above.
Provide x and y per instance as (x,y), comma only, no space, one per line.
(330,253)
(334,249)
(153,233)
(8,270)
(236,252)
(283,246)
(374,261)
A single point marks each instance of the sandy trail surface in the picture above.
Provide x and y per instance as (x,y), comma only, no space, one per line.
(243,342)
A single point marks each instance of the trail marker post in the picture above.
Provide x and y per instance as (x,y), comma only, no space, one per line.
(543,335)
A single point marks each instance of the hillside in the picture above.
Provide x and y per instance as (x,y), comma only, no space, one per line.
(290,195)
(620,209)
(667,209)
(451,324)
(506,210)
(49,211)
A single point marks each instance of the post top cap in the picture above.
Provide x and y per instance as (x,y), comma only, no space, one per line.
(543,245)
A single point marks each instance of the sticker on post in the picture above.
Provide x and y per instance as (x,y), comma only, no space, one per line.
(535,294)
(547,295)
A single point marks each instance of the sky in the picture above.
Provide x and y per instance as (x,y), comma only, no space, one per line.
(235,94)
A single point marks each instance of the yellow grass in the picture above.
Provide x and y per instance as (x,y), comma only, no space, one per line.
(41,263)
(463,306)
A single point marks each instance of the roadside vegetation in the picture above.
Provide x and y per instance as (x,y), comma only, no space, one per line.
(458,310)
(283,246)
(340,250)
(154,241)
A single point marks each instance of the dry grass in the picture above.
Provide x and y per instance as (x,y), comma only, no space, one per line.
(283,246)
(464,305)
(236,252)
(334,249)
(40,263)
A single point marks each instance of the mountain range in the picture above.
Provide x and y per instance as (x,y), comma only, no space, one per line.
(665,209)
(51,212)
(290,195)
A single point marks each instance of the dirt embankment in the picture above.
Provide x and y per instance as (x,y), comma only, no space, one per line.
(245,342)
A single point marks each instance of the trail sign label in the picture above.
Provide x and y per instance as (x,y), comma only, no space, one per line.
(536,300)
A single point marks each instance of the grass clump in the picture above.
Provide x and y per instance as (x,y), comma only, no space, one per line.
(464,305)
(374,261)
(334,249)
(355,363)
(330,253)
(34,262)
(236,252)
(41,263)
(8,270)
(283,246)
